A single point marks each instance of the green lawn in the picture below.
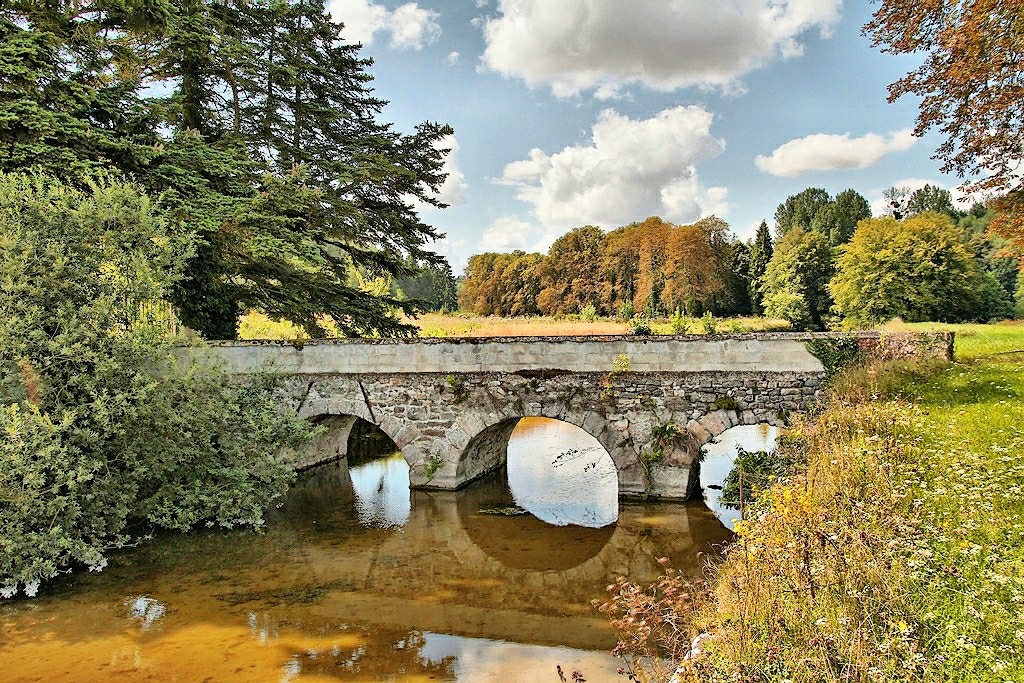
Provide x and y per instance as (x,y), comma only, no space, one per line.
(974,341)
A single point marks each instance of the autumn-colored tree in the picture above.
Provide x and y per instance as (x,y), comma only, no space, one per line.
(568,276)
(518,283)
(652,238)
(620,262)
(971,88)
(653,266)
(501,284)
(697,265)
(472,293)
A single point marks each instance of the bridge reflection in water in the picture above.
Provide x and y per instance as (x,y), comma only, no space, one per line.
(357,578)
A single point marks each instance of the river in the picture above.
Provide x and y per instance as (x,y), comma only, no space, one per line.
(357,578)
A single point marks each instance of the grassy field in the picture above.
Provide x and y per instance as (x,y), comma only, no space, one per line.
(896,553)
(973,341)
(259,326)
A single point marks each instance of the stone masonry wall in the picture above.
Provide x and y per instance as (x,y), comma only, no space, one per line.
(452,428)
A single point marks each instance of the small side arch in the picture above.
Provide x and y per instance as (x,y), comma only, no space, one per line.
(710,426)
(339,416)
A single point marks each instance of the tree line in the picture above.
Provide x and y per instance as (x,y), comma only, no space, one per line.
(828,262)
(651,266)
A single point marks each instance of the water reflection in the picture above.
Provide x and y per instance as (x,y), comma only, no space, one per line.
(356,578)
(561,474)
(381,488)
(718,460)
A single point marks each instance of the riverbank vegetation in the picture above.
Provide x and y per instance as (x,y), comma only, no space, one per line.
(893,552)
(106,435)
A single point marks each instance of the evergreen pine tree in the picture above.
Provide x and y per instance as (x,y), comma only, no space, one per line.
(760,255)
(266,147)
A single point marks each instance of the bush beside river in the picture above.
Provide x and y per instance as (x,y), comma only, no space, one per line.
(105,437)
(895,552)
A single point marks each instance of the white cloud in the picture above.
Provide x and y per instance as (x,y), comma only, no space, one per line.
(663,44)
(452,59)
(508,233)
(823,152)
(410,25)
(629,171)
(452,190)
(481,3)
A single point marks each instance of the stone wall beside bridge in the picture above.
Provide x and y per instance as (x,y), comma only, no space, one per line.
(451,404)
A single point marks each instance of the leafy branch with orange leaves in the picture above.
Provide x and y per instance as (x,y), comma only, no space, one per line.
(971,86)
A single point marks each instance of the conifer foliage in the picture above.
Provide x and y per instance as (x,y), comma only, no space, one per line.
(256,127)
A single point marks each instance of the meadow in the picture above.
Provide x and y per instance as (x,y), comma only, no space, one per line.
(894,552)
(259,326)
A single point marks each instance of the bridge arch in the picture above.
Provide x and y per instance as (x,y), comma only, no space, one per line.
(480,443)
(712,425)
(339,416)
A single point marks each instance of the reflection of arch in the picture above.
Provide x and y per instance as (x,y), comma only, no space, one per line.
(624,552)
(523,541)
(480,440)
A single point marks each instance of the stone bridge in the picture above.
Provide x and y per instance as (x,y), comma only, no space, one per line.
(451,404)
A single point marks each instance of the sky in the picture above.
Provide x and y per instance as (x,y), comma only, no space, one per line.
(600,112)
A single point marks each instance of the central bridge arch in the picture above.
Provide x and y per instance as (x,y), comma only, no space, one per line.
(487,448)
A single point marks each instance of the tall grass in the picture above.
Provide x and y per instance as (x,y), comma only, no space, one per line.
(462,325)
(894,553)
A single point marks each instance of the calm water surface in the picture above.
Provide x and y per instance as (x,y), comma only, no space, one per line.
(718,460)
(356,578)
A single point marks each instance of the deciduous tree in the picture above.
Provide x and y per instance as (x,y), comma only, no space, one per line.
(918,269)
(970,86)
(795,283)
(569,272)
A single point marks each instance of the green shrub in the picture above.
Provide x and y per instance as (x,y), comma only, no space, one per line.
(708,323)
(752,472)
(640,325)
(835,353)
(588,313)
(679,322)
(726,403)
(626,311)
(104,431)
